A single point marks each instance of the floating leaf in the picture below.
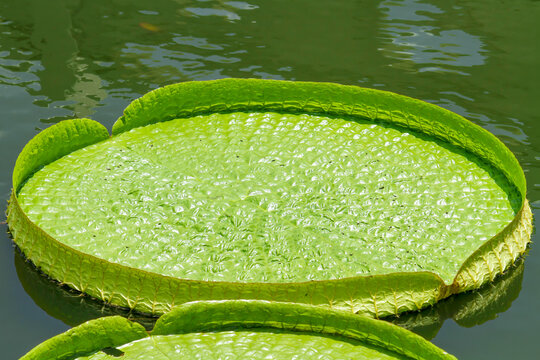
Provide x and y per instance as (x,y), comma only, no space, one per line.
(250,189)
(241,329)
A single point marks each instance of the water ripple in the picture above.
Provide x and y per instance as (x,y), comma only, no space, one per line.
(411,35)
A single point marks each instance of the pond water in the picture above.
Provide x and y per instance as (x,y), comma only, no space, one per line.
(61,59)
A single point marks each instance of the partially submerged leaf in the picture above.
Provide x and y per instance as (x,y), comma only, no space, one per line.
(302,192)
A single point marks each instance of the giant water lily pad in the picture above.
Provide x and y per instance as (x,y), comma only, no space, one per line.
(303,192)
(240,330)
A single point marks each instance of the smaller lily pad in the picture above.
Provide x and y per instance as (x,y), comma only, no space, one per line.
(240,329)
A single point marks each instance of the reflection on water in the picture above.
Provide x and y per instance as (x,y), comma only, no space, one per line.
(75,54)
(414,35)
(65,304)
(52,38)
(468,309)
(83,52)
(511,133)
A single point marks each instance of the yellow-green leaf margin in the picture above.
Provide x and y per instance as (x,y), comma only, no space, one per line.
(87,338)
(377,296)
(215,316)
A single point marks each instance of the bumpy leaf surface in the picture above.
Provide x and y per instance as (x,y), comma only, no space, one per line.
(272,197)
(249,189)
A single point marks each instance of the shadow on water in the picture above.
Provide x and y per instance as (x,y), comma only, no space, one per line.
(468,309)
(63,303)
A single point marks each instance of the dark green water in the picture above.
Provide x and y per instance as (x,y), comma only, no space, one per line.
(74,58)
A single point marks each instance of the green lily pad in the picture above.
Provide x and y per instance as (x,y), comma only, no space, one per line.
(240,329)
(301,192)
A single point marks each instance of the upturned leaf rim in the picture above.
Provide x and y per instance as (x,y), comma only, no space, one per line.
(375,295)
(238,315)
